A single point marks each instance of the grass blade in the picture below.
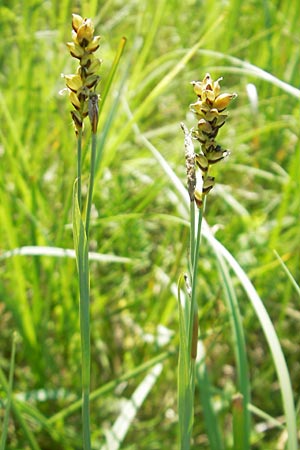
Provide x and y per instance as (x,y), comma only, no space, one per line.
(117,433)
(32,442)
(9,394)
(290,276)
(262,315)
(112,73)
(204,386)
(108,387)
(58,252)
(243,415)
(271,337)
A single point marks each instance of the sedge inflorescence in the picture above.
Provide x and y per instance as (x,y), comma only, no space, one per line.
(82,85)
(210,111)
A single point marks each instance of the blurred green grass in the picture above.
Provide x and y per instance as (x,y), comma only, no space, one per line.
(254,208)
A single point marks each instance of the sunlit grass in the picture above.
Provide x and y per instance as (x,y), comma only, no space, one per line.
(139,213)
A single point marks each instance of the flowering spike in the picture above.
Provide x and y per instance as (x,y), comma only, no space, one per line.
(209,109)
(82,85)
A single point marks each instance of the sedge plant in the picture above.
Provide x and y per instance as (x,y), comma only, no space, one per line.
(209,110)
(84,98)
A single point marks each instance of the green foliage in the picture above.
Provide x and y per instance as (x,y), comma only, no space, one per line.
(139,212)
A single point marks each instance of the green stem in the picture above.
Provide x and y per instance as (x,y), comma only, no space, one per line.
(81,246)
(9,395)
(192,334)
(79,156)
(85,310)
(91,185)
(194,306)
(192,235)
(85,340)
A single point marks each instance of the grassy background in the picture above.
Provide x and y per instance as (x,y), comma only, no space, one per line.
(254,209)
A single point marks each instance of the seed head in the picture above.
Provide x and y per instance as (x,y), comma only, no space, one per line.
(209,109)
(82,85)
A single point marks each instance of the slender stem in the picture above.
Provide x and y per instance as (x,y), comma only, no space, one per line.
(91,185)
(79,156)
(194,306)
(192,235)
(85,311)
(84,287)
(192,326)
(9,394)
(86,419)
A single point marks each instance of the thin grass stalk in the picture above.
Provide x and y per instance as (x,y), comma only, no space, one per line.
(32,442)
(185,404)
(241,401)
(112,72)
(272,339)
(85,306)
(288,273)
(189,339)
(194,307)
(163,84)
(85,343)
(204,387)
(117,100)
(108,387)
(81,247)
(238,423)
(79,157)
(193,320)
(9,394)
(80,244)
(192,235)
(91,184)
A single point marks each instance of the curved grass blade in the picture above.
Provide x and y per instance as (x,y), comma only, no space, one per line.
(270,335)
(112,113)
(117,433)
(262,315)
(290,276)
(163,84)
(250,69)
(9,394)
(210,417)
(242,415)
(112,73)
(58,252)
(7,386)
(108,387)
